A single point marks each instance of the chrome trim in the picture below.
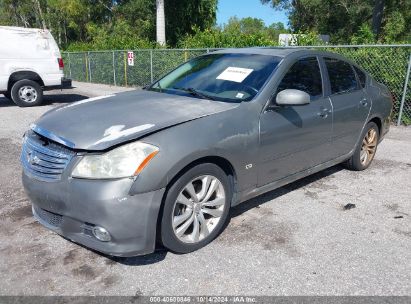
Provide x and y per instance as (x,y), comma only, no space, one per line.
(44,162)
(52,136)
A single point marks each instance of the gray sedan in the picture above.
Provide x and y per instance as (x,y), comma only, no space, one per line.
(123,173)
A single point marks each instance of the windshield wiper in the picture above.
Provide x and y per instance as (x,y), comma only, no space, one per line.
(194,92)
(151,86)
(159,86)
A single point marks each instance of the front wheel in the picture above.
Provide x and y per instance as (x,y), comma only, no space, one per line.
(26,93)
(196,208)
(365,151)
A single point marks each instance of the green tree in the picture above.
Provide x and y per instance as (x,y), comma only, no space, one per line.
(251,25)
(18,13)
(237,32)
(247,25)
(183,16)
(219,38)
(140,15)
(343,19)
(364,35)
(88,23)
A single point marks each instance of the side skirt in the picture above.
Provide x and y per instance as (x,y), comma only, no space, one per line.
(248,194)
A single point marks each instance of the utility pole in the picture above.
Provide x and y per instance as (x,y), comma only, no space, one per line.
(161,24)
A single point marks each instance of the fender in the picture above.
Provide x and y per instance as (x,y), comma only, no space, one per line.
(211,138)
(19,74)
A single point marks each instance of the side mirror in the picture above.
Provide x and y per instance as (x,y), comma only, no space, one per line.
(291,97)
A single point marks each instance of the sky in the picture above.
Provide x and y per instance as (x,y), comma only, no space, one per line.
(249,8)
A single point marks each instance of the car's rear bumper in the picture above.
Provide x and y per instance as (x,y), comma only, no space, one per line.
(72,207)
(66,83)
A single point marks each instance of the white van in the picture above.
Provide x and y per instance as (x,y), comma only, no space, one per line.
(30,62)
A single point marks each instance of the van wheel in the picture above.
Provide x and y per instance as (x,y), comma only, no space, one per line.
(26,93)
(196,208)
(365,151)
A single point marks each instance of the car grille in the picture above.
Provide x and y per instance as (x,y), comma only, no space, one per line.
(43,159)
(48,217)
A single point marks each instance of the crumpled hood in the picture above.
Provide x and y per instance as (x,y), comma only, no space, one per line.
(101,122)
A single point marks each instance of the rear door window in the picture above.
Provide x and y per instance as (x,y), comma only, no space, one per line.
(361,76)
(341,75)
(304,75)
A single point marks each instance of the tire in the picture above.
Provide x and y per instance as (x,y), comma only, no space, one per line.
(356,161)
(26,93)
(189,240)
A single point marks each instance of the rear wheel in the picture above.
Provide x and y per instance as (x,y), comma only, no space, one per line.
(365,151)
(26,93)
(196,208)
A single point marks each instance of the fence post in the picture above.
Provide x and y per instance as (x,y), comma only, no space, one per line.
(69,64)
(407,78)
(114,70)
(86,65)
(151,66)
(125,68)
(89,67)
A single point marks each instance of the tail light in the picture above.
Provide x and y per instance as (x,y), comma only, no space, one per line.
(61,63)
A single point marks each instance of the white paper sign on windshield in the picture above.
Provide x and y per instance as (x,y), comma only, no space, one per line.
(235,74)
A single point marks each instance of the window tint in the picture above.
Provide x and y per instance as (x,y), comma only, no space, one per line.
(361,76)
(304,75)
(341,74)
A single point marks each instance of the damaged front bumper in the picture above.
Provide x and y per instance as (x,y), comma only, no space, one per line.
(74,207)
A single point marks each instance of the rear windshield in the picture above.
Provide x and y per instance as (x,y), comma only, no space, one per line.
(225,77)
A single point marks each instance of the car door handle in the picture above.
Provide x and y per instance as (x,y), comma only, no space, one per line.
(323,113)
(364,102)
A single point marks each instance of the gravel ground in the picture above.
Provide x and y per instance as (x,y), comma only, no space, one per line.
(297,240)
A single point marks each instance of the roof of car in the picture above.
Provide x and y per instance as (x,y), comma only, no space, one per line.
(284,52)
(273,51)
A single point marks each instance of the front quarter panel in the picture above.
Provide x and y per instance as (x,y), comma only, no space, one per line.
(232,135)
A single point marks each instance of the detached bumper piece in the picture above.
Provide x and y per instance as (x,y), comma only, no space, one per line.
(66,83)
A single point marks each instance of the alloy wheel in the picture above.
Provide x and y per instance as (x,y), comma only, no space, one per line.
(369,146)
(198,209)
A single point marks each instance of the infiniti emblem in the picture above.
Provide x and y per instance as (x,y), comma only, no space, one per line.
(32,158)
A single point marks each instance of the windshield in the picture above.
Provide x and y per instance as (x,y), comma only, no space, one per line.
(225,77)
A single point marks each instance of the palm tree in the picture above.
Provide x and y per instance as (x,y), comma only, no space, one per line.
(161,26)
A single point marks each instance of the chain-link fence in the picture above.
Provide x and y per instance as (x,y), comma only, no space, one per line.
(111,67)
(389,64)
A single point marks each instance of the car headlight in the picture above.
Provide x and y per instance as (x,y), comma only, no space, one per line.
(125,161)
